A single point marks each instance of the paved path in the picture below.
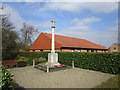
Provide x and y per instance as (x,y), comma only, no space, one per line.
(29,77)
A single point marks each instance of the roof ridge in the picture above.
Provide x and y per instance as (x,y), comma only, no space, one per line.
(65,36)
(74,38)
(50,38)
(94,43)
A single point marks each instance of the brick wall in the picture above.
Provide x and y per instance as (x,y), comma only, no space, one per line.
(114,48)
(68,50)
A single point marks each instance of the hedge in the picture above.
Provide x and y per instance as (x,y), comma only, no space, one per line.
(104,62)
(34,54)
(7,55)
(14,55)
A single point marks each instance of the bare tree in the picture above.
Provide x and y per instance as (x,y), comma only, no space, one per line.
(28,32)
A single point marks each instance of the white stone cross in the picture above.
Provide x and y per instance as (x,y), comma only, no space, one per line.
(53,57)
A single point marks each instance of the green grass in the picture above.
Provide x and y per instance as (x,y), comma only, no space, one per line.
(110,83)
(43,63)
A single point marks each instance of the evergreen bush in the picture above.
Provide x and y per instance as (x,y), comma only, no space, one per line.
(5,79)
(104,62)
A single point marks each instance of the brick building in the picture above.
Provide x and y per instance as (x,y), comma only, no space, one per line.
(65,44)
(114,48)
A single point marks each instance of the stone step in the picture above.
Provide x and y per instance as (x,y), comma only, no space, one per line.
(52,69)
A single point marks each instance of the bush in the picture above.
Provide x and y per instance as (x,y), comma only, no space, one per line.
(7,55)
(34,54)
(39,57)
(5,79)
(29,61)
(13,55)
(21,61)
(42,60)
(104,62)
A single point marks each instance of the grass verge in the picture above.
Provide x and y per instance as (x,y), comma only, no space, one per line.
(113,82)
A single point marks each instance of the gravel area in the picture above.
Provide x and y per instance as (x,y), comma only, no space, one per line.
(29,77)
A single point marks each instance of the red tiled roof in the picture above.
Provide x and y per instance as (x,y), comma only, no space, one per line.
(116,44)
(44,42)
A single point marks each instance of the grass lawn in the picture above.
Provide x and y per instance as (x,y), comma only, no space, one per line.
(110,83)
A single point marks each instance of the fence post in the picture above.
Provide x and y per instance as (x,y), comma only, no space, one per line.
(47,69)
(73,64)
(33,63)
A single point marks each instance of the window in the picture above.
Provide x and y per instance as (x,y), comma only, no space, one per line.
(33,50)
(114,48)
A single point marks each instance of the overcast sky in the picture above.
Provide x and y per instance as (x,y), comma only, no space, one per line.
(94,21)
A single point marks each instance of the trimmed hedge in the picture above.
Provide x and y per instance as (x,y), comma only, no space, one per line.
(7,55)
(104,62)
(34,54)
(14,55)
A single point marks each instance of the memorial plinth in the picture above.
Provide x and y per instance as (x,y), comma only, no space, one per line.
(53,59)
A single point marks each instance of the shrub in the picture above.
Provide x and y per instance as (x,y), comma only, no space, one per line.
(7,55)
(104,62)
(39,57)
(21,61)
(41,60)
(34,54)
(5,79)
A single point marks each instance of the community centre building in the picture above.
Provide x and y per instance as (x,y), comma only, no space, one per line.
(64,44)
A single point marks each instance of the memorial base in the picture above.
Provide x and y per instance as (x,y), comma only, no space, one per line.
(52,59)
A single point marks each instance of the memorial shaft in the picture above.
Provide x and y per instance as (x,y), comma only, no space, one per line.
(53,36)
